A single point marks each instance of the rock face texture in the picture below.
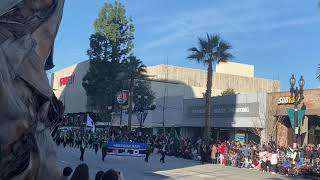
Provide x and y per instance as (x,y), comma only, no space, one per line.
(29,111)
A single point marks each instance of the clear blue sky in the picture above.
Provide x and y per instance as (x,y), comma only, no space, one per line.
(278,37)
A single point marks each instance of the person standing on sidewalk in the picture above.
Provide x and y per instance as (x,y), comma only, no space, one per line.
(148,152)
(203,154)
(64,140)
(221,152)
(163,153)
(104,148)
(82,150)
(274,162)
(214,154)
(96,145)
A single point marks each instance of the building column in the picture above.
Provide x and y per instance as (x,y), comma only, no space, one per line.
(247,135)
(183,132)
(305,131)
(155,131)
(263,137)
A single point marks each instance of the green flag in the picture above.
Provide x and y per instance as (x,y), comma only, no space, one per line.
(291,117)
(174,134)
(289,152)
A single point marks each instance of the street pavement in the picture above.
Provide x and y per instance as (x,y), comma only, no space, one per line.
(134,168)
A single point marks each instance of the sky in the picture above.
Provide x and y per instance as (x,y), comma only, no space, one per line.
(279,38)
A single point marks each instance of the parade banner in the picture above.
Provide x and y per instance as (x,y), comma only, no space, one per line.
(127,149)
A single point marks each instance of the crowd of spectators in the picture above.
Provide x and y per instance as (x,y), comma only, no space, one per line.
(303,161)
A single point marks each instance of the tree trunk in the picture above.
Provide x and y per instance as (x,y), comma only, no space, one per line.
(130,99)
(208,103)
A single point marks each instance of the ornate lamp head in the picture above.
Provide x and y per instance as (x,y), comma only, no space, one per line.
(301,83)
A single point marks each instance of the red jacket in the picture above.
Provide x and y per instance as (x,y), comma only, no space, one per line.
(222,149)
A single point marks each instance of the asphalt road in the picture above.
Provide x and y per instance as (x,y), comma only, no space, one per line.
(134,168)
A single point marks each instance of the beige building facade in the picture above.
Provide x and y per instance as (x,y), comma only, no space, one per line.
(167,81)
(194,81)
(237,69)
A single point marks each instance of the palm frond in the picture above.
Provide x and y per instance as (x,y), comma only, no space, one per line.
(134,67)
(193,50)
(211,49)
(318,72)
(196,54)
(213,42)
(225,57)
(222,54)
(203,45)
(225,45)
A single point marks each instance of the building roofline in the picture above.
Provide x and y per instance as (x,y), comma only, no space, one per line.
(181,67)
(82,62)
(238,63)
(196,69)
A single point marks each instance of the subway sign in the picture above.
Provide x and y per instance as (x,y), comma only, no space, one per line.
(286,100)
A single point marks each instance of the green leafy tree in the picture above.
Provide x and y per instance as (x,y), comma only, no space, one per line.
(133,69)
(228,92)
(210,50)
(113,24)
(109,46)
(143,88)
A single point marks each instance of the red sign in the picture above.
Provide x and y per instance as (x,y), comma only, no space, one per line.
(66,80)
(122,97)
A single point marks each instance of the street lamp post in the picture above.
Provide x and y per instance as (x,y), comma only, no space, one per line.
(112,117)
(110,114)
(142,110)
(297,95)
(109,111)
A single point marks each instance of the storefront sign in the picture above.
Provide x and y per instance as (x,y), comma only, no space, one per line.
(286,100)
(226,110)
(122,97)
(240,137)
(66,80)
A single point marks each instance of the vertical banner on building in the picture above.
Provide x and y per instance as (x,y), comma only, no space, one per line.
(291,117)
(300,117)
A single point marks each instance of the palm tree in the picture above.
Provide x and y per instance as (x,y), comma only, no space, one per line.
(134,69)
(210,50)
